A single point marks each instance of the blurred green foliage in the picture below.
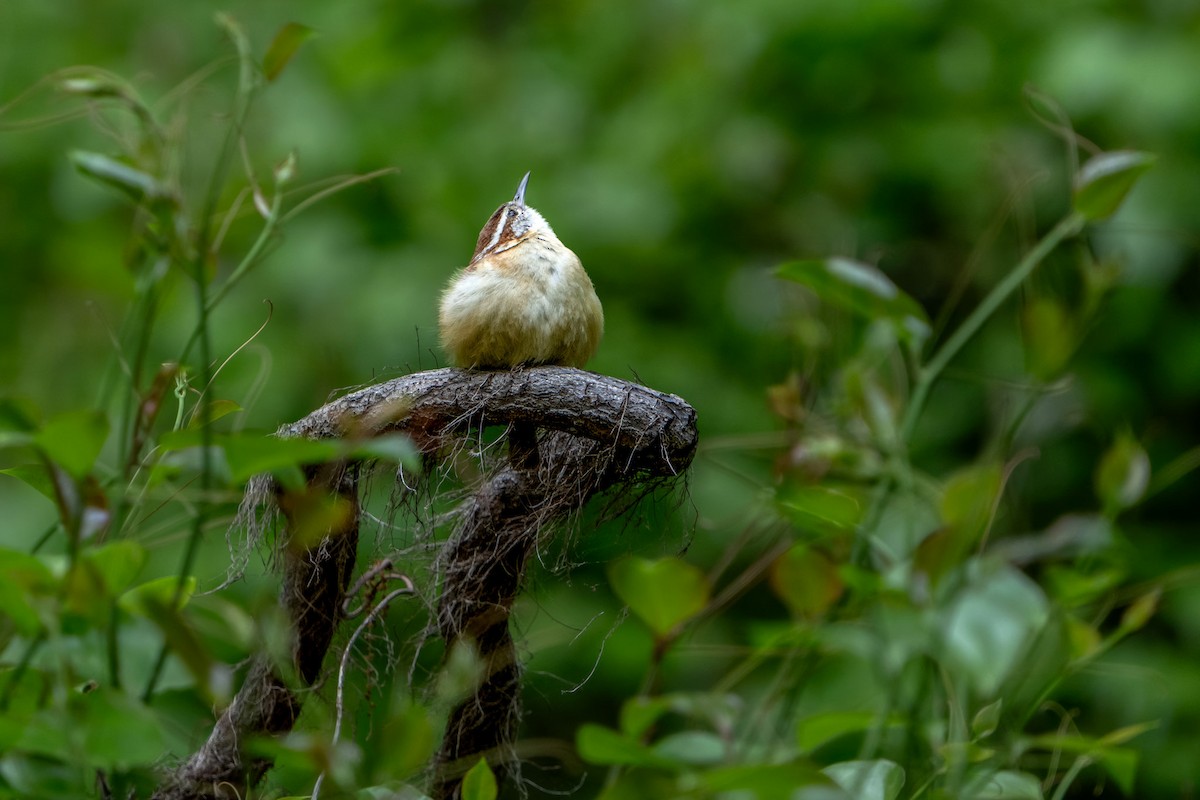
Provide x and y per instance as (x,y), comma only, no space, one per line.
(684,151)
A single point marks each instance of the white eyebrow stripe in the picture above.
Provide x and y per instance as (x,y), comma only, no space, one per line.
(499,230)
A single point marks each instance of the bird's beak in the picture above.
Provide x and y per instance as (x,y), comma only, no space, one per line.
(519,197)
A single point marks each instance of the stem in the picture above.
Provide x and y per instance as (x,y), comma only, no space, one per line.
(1066,228)
(253,255)
(1078,766)
(341,683)
(245,91)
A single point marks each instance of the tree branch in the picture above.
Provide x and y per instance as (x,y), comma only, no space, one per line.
(581,434)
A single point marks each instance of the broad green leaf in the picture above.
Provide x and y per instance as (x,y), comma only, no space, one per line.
(394,447)
(120,732)
(23,580)
(692,748)
(85,596)
(1043,664)
(27,775)
(1140,611)
(407,735)
(1075,586)
(868,780)
(825,507)
(250,454)
(143,600)
(1122,764)
(18,415)
(74,440)
(155,604)
(214,411)
(819,729)
(285,44)
(1123,474)
(990,626)
(479,783)
(1105,180)
(599,745)
(137,184)
(968,499)
(1084,639)
(1050,337)
(639,713)
(34,476)
(861,289)
(767,781)
(965,509)
(117,563)
(663,593)
(987,784)
(806,581)
(987,719)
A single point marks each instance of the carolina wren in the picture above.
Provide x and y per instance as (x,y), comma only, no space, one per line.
(524,298)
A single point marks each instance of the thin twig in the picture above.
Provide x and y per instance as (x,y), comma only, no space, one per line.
(341,684)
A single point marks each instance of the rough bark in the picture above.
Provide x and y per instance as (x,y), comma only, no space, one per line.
(576,434)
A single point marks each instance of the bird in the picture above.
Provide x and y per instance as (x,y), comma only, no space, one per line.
(524,299)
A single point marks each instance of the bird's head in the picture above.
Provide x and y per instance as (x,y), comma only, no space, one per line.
(510,225)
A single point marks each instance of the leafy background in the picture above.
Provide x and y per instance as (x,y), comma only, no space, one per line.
(683,150)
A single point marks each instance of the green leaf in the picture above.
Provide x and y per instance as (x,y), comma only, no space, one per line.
(861,289)
(766,781)
(868,780)
(822,507)
(24,579)
(1043,665)
(1140,611)
(968,500)
(74,440)
(287,41)
(117,563)
(18,415)
(153,600)
(966,508)
(1123,474)
(251,454)
(479,783)
(137,184)
(1105,180)
(663,593)
(987,719)
(34,476)
(639,713)
(990,626)
(819,729)
(120,732)
(599,745)
(806,581)
(1121,763)
(144,600)
(1049,337)
(1003,785)
(395,447)
(691,748)
(214,411)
